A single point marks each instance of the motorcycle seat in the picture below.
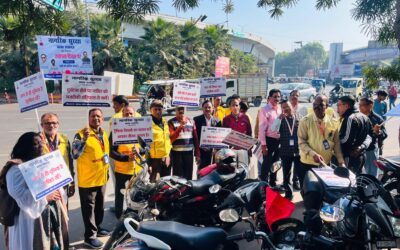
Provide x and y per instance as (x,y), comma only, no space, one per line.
(183,237)
(394,164)
(201,186)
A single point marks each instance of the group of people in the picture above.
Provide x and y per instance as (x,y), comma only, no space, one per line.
(304,139)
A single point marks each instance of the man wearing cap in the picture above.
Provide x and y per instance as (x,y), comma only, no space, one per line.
(184,141)
(160,148)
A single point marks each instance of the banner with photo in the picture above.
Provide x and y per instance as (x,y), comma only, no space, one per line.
(64,55)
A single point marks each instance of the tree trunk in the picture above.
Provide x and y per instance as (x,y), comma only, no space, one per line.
(397,23)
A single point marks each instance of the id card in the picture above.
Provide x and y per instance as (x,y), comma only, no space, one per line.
(326,144)
(291,142)
(106,160)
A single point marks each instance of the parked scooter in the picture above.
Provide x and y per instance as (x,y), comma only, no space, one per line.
(360,219)
(166,235)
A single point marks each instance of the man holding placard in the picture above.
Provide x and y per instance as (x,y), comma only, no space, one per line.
(184,141)
(91,149)
(206,119)
(53,140)
(125,165)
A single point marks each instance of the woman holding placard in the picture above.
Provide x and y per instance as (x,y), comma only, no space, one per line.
(39,224)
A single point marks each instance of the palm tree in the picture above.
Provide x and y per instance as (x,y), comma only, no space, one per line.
(218,44)
(228,9)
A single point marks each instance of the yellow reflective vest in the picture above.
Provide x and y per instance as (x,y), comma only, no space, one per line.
(62,146)
(161,145)
(128,167)
(92,171)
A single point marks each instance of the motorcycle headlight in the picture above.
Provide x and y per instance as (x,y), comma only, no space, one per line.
(395,225)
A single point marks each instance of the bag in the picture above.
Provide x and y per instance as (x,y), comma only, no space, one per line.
(8,206)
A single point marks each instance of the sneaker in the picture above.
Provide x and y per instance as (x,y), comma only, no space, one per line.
(296,185)
(101,232)
(94,243)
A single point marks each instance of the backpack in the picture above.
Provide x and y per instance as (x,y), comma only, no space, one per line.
(8,206)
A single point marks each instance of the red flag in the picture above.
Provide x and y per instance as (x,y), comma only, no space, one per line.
(277,207)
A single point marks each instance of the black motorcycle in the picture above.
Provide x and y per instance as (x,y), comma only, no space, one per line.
(361,219)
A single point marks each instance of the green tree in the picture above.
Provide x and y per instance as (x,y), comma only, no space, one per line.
(309,57)
(242,63)
(372,74)
(218,44)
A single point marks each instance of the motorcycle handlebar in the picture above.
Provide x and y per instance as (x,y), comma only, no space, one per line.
(318,240)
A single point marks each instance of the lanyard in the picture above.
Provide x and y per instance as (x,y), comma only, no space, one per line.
(51,146)
(321,128)
(291,129)
(100,140)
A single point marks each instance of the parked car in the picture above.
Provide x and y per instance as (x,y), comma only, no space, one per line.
(307,92)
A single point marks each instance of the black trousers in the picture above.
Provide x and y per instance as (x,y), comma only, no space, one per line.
(158,168)
(205,158)
(120,180)
(92,207)
(355,164)
(287,162)
(182,163)
(302,170)
(271,157)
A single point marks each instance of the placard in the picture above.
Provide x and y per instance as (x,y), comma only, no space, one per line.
(186,94)
(86,90)
(329,178)
(213,86)
(60,55)
(45,174)
(257,151)
(126,130)
(31,92)
(211,137)
(239,140)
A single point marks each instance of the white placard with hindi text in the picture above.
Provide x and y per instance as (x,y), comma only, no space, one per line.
(212,86)
(330,179)
(86,90)
(126,130)
(45,174)
(239,140)
(186,94)
(211,137)
(31,92)
(60,55)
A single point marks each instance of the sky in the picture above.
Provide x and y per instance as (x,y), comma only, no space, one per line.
(302,22)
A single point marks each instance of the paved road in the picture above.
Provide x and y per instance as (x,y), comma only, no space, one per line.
(72,119)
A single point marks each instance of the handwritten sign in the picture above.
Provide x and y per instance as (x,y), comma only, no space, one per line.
(186,94)
(126,130)
(86,90)
(330,179)
(211,137)
(214,86)
(31,92)
(239,140)
(45,174)
(60,55)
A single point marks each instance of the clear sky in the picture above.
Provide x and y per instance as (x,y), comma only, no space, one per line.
(299,23)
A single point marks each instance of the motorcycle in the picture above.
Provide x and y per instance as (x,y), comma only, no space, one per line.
(166,235)
(333,97)
(174,198)
(360,219)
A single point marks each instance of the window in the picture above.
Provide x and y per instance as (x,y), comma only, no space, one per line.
(230,84)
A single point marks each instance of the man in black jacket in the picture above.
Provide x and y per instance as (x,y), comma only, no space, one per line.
(353,133)
(206,119)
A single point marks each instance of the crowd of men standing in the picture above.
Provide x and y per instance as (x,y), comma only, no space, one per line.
(298,137)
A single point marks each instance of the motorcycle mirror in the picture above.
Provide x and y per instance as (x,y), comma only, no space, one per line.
(331,213)
(229,215)
(342,172)
(141,142)
(214,189)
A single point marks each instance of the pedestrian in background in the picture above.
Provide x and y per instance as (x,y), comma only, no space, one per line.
(184,141)
(289,147)
(392,90)
(160,148)
(33,229)
(380,105)
(205,120)
(269,136)
(125,164)
(91,150)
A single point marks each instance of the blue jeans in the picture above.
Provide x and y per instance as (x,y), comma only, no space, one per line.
(369,165)
(392,101)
